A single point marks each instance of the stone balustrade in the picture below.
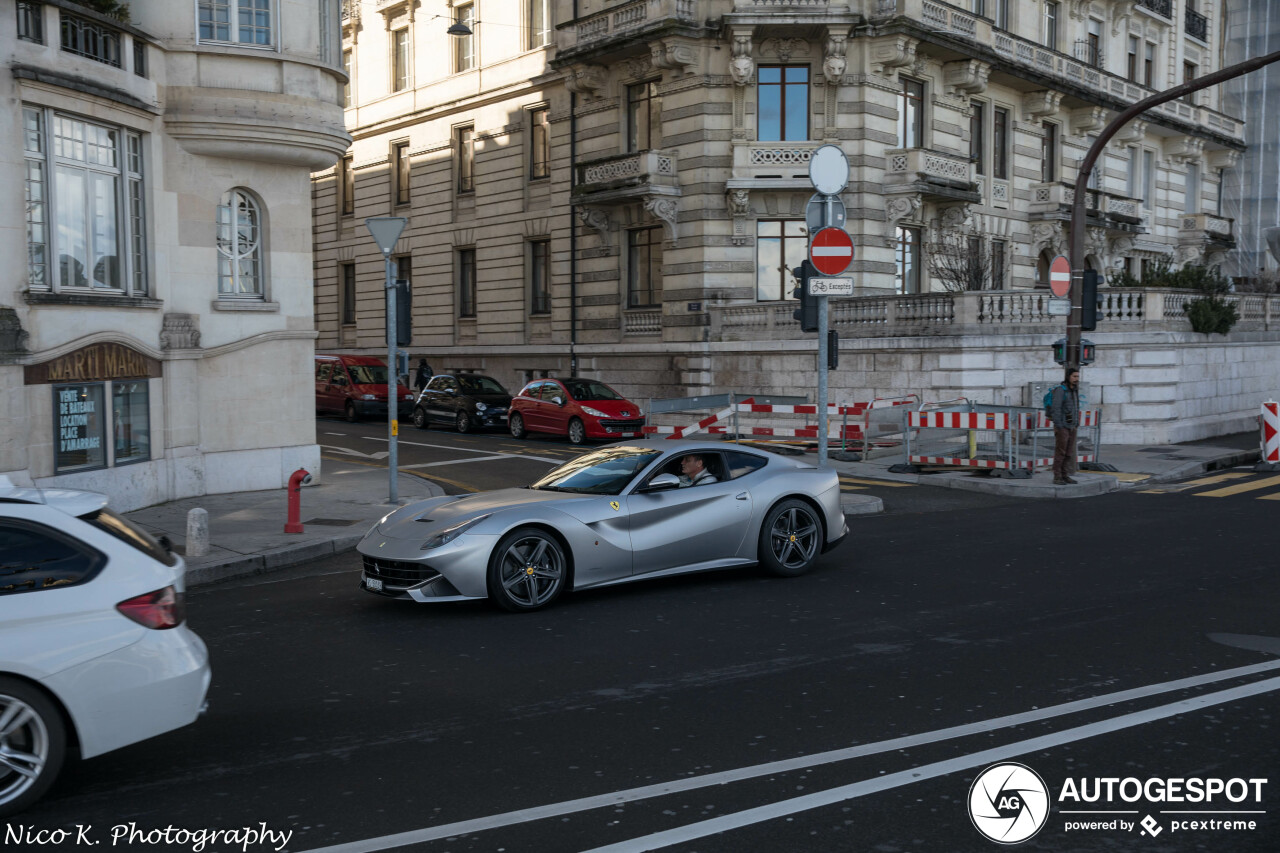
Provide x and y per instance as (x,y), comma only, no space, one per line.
(1208,225)
(636,170)
(909,165)
(621,22)
(642,323)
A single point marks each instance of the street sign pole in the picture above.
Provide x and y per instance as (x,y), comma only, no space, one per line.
(829,174)
(822,381)
(386,231)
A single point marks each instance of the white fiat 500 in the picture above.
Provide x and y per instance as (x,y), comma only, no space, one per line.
(94,652)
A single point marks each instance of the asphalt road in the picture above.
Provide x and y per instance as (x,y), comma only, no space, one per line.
(656,716)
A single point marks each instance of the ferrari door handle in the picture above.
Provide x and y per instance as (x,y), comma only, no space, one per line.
(742,497)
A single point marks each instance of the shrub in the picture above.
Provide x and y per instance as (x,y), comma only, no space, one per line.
(111,8)
(1211,314)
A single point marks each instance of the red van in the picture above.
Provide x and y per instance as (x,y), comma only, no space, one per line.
(356,387)
(577,408)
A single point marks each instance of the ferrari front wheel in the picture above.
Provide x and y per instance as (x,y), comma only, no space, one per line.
(527,570)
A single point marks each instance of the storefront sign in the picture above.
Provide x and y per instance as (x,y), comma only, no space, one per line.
(95,363)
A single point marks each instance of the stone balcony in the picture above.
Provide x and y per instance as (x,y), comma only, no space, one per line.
(1054,200)
(771,165)
(1207,227)
(624,25)
(930,20)
(935,175)
(623,178)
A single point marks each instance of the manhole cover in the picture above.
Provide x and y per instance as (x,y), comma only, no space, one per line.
(333,522)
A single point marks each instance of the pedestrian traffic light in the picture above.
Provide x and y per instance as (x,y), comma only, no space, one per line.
(807,313)
(833,349)
(404,316)
(1089,301)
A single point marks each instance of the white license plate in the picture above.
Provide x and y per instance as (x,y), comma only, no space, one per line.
(372,584)
(502,417)
(628,435)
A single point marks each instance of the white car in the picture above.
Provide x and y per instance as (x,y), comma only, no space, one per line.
(94,652)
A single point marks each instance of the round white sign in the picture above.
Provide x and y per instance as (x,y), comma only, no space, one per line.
(829,170)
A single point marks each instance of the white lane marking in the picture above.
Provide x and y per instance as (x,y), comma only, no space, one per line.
(708,780)
(437,446)
(381,454)
(931,771)
(335,433)
(481,459)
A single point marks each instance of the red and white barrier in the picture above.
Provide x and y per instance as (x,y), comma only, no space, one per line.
(995,421)
(1040,421)
(1270,421)
(681,432)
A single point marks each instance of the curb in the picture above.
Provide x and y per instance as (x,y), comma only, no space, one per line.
(1201,467)
(268,561)
(860,504)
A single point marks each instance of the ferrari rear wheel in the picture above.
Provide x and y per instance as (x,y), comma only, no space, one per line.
(527,570)
(516,425)
(790,538)
(33,743)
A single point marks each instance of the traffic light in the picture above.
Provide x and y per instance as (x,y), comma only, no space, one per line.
(833,349)
(807,313)
(404,315)
(1089,301)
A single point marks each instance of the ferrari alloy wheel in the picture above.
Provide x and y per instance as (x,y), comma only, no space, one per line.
(516,425)
(577,432)
(790,538)
(527,570)
(32,745)
(420,417)
(463,422)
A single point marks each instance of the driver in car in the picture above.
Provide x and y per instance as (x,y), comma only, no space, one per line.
(693,471)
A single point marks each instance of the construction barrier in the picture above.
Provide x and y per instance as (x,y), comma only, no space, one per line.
(882,426)
(962,439)
(1269,422)
(1088,438)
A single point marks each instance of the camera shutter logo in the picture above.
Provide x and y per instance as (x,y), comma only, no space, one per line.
(1008,803)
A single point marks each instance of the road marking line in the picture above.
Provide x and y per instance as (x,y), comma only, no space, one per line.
(1127,477)
(888,483)
(381,454)
(846,488)
(436,446)
(1218,478)
(506,456)
(335,433)
(1275,497)
(1264,483)
(709,780)
(433,478)
(844,793)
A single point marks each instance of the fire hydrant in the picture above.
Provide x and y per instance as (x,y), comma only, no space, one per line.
(297,480)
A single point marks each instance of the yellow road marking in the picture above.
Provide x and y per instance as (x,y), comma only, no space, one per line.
(1275,497)
(888,483)
(1219,478)
(845,488)
(1265,483)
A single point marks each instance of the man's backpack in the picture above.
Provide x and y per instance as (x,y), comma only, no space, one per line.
(1048,398)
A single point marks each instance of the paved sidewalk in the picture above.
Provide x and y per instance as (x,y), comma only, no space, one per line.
(246,529)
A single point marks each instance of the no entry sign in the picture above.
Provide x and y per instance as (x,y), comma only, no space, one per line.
(831,251)
(1060,276)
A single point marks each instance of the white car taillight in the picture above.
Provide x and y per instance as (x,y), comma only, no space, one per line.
(161,609)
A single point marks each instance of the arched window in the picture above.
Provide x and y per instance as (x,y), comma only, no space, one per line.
(239,246)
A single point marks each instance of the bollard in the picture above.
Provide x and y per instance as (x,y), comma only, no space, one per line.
(197,533)
(297,480)
(1269,422)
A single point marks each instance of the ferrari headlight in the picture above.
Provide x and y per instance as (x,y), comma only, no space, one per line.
(480,407)
(595,413)
(444,537)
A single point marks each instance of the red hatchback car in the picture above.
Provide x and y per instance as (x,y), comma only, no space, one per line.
(578,408)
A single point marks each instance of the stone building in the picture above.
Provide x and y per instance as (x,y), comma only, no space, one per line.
(618,188)
(157,342)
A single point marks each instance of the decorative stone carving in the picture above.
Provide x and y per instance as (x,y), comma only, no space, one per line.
(1131,134)
(1087,120)
(1048,235)
(965,76)
(835,61)
(896,210)
(1192,254)
(1223,159)
(13,338)
(1121,13)
(597,220)
(639,68)
(741,66)
(1038,105)
(1095,241)
(1185,149)
(180,331)
(893,52)
(1120,249)
(785,48)
(955,218)
(664,208)
(739,205)
(586,80)
(672,54)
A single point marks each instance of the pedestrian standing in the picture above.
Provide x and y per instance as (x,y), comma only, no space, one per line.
(423,375)
(1064,411)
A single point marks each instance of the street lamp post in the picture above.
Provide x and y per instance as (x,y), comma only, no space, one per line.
(386,231)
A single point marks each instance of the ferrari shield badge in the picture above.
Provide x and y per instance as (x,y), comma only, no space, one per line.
(613,504)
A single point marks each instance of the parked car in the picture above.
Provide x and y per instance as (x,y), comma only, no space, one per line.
(578,408)
(613,515)
(356,387)
(465,401)
(94,652)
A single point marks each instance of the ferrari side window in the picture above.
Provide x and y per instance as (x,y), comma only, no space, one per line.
(741,464)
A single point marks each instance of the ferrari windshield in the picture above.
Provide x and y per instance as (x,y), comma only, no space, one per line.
(605,472)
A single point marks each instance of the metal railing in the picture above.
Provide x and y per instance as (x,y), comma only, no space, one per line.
(90,39)
(1160,7)
(1197,25)
(1088,52)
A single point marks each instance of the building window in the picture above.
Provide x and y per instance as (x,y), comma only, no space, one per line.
(466,145)
(1000,143)
(1189,72)
(1000,14)
(1149,65)
(539,143)
(1131,68)
(911,114)
(540,277)
(400,60)
(101,424)
(1222,191)
(643,107)
(1191,201)
(139,57)
(466,282)
(85,204)
(1149,178)
(250,24)
(346,186)
(464,47)
(239,246)
(644,267)
(782,103)
(1051,24)
(348,294)
(31,21)
(1049,153)
(400,157)
(404,269)
(1133,179)
(346,69)
(781,246)
(539,23)
(906,257)
(90,39)
(977,137)
(999,248)
(131,421)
